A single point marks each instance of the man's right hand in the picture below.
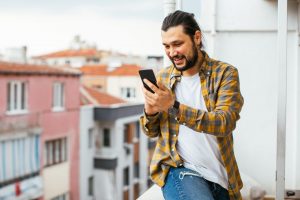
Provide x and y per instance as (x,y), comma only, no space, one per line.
(159,101)
(149,109)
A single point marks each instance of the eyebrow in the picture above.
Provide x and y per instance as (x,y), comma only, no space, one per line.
(173,42)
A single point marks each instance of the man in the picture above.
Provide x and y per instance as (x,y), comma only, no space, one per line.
(193,113)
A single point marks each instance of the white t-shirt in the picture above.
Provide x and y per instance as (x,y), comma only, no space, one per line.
(199,151)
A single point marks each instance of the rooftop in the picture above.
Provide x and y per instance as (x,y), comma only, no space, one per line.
(104,70)
(93,96)
(7,68)
(88,52)
(70,53)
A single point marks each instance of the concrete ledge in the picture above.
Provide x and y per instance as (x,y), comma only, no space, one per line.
(153,192)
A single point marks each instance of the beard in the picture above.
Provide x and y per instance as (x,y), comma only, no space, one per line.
(189,62)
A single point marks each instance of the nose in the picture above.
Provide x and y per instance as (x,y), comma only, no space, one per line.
(173,52)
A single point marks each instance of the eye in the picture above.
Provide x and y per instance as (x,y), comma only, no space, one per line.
(178,44)
(167,46)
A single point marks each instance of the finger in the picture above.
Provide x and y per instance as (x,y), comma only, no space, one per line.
(151,85)
(148,93)
(150,101)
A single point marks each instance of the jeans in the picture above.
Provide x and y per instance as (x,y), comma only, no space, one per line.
(185,184)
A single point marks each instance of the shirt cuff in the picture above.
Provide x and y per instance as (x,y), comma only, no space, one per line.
(150,118)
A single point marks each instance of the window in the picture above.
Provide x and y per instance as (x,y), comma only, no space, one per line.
(92,60)
(126,176)
(19,158)
(16,96)
(91,186)
(58,96)
(90,138)
(127,134)
(106,137)
(136,170)
(61,197)
(128,93)
(55,151)
(137,129)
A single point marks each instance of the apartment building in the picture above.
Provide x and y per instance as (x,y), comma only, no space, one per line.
(71,57)
(114,154)
(87,56)
(39,132)
(123,81)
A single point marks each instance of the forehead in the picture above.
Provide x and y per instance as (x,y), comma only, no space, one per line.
(175,33)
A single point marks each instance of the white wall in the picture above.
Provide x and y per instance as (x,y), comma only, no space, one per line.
(109,183)
(74,61)
(252,15)
(246,37)
(298,112)
(52,187)
(115,83)
(105,181)
(86,154)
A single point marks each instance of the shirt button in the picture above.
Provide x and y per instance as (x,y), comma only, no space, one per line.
(172,149)
(183,123)
(174,135)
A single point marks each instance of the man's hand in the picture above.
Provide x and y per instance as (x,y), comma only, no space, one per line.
(159,101)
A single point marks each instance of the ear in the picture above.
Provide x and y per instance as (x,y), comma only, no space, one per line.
(197,37)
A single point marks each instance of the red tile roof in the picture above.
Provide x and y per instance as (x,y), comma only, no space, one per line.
(30,69)
(103,70)
(93,96)
(100,70)
(70,53)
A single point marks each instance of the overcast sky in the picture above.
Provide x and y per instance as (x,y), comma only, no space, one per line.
(129,26)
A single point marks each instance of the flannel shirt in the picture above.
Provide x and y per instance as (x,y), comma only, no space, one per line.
(223,99)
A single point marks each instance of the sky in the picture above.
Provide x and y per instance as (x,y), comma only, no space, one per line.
(128,26)
(45,26)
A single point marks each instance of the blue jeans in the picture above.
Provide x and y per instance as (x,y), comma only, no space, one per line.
(185,184)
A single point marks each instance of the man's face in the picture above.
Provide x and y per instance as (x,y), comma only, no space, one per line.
(180,48)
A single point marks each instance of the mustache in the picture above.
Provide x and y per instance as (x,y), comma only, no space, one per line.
(177,57)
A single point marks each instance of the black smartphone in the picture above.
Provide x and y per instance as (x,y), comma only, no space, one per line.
(148,74)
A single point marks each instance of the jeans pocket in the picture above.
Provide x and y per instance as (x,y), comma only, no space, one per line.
(184,173)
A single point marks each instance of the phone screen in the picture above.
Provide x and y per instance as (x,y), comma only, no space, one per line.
(148,74)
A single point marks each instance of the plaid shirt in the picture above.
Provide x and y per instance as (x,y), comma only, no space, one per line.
(221,92)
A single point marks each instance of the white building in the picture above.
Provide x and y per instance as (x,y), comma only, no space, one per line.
(70,57)
(113,152)
(123,81)
(15,54)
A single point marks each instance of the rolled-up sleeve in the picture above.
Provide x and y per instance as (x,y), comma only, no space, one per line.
(150,125)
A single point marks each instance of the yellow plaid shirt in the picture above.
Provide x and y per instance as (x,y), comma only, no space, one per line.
(223,99)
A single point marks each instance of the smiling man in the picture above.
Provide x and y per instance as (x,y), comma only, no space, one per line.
(193,113)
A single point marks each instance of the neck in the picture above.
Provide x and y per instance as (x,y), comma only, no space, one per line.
(195,69)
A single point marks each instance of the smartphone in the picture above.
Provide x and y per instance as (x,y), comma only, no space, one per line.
(148,74)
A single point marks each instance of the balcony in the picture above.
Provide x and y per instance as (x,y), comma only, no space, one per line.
(30,188)
(105,163)
(18,123)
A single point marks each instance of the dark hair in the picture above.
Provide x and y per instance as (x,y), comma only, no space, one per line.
(187,20)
